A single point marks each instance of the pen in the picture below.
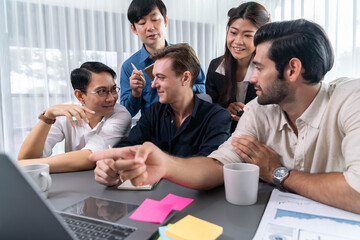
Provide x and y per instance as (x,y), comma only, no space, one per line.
(138,70)
(110,147)
(239,113)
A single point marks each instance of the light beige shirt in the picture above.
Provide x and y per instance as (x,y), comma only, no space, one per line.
(328,132)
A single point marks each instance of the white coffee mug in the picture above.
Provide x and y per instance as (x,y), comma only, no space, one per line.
(39,173)
(241,183)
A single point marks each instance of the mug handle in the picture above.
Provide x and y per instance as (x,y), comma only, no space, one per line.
(48,181)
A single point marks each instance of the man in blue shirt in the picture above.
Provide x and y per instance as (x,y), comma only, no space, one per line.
(180,124)
(148,20)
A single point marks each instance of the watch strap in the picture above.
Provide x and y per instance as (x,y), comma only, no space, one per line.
(278,181)
(280,187)
(45,119)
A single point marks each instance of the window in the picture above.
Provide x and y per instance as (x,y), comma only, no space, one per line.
(41,41)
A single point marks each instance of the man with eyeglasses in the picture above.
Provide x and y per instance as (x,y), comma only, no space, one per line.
(90,127)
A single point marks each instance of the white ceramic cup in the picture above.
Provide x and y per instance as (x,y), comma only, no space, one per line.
(241,183)
(40,175)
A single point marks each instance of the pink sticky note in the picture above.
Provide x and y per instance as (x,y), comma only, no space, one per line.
(178,203)
(151,211)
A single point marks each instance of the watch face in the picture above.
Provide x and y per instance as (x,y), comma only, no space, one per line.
(279,175)
(280,172)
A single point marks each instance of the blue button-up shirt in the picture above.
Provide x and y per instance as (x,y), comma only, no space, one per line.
(141,59)
(202,132)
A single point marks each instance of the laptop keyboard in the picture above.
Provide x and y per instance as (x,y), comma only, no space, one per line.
(91,229)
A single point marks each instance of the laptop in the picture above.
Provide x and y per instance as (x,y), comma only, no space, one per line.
(26,214)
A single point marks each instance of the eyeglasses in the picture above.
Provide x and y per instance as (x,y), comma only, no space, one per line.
(104,93)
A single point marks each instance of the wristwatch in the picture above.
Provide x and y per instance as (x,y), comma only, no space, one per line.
(43,118)
(279,175)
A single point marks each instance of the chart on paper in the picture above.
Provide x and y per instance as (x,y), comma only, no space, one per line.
(292,217)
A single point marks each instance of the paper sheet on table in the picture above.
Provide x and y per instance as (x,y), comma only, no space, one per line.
(191,227)
(127,185)
(178,203)
(290,216)
(151,211)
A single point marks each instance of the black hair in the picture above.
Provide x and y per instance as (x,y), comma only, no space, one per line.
(257,15)
(80,77)
(140,8)
(300,39)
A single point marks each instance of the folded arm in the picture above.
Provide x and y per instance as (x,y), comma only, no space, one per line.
(34,143)
(65,162)
(328,188)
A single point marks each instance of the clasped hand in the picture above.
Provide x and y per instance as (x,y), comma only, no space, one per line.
(252,151)
(142,164)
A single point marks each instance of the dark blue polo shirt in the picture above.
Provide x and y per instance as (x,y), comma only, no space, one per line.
(201,133)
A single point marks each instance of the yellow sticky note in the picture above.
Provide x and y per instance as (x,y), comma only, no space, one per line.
(191,228)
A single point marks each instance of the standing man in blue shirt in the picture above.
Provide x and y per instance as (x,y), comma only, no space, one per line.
(180,124)
(148,20)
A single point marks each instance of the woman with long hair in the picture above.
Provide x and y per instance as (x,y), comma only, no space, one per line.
(228,75)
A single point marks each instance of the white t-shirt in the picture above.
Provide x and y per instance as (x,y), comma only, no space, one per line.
(107,132)
(328,132)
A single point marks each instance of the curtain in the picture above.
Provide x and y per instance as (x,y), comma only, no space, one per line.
(41,41)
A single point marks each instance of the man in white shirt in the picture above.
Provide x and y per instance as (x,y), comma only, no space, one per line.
(90,127)
(302,133)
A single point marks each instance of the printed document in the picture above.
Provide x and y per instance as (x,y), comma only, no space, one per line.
(292,217)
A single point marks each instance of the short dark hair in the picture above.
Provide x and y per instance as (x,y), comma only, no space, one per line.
(80,77)
(140,8)
(183,59)
(300,39)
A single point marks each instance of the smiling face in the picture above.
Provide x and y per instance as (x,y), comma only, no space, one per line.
(240,39)
(169,86)
(269,88)
(151,30)
(103,106)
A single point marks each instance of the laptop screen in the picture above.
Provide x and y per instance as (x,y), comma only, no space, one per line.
(101,209)
(25,214)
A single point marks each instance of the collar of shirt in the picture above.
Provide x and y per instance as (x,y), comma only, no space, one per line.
(97,125)
(313,114)
(283,120)
(193,113)
(221,69)
(144,54)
